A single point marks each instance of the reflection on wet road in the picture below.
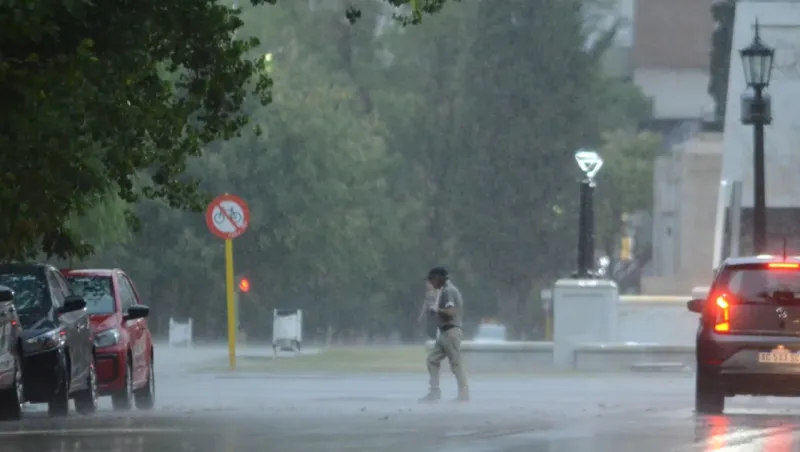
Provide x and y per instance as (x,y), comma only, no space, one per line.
(672,430)
(311,412)
(749,430)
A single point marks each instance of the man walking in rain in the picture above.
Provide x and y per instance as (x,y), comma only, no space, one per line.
(449,309)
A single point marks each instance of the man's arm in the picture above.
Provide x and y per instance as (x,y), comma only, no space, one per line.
(447,305)
(425,307)
(428,303)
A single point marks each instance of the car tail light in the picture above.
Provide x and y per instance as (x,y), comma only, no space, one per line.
(787,265)
(722,316)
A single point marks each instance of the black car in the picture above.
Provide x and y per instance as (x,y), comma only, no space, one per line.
(57,345)
(748,340)
(11,383)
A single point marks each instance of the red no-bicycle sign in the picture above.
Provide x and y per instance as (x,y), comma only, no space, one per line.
(227,216)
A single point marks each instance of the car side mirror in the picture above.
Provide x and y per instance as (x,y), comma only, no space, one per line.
(6,294)
(696,305)
(72,303)
(139,311)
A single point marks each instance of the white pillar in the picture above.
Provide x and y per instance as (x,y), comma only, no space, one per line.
(584,310)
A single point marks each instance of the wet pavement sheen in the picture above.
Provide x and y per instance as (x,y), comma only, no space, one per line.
(321,413)
(667,431)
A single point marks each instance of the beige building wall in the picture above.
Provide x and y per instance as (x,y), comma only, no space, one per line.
(686,188)
(671,55)
(671,66)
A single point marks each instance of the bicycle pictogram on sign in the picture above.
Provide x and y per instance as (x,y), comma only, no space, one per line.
(233,214)
(227,216)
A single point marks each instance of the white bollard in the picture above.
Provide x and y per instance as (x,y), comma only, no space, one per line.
(287,330)
(584,311)
(180,333)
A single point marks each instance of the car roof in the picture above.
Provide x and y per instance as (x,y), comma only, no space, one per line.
(26,267)
(90,271)
(760,259)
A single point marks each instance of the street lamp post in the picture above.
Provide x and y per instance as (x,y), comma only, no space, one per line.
(757,59)
(590,163)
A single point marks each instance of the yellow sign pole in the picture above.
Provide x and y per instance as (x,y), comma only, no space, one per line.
(548,326)
(230,298)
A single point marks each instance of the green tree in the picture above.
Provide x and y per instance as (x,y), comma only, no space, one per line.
(398,75)
(389,149)
(314,177)
(104,224)
(625,184)
(529,107)
(95,92)
(418,92)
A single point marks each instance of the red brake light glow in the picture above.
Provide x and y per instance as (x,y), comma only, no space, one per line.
(783,265)
(722,322)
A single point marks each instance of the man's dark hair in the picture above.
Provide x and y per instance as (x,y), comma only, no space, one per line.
(437,272)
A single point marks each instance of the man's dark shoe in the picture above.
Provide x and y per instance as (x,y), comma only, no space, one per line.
(432,397)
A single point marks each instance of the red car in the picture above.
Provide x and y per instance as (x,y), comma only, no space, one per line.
(122,340)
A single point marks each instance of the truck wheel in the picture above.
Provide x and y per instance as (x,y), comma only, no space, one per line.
(123,399)
(709,396)
(86,399)
(12,399)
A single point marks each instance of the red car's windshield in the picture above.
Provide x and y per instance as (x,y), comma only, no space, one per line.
(97,291)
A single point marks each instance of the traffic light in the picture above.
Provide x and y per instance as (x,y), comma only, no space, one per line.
(244,284)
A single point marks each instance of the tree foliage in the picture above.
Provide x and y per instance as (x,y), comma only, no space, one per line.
(94,92)
(385,149)
(629,159)
(522,125)
(97,92)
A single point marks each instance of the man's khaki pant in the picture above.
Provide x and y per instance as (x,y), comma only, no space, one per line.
(448,345)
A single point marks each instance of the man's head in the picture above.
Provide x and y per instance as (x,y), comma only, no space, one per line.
(437,276)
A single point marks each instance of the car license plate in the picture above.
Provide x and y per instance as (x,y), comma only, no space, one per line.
(779,356)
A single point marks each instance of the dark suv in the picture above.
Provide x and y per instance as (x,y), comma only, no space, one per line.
(748,340)
(57,345)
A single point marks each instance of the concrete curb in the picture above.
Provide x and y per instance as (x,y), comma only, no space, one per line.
(661,367)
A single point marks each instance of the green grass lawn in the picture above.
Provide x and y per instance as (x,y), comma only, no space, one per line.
(344,359)
(359,360)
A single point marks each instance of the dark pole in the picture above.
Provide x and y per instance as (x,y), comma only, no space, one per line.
(759,190)
(590,263)
(586,229)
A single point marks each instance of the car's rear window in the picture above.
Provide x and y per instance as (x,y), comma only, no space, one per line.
(757,282)
(97,291)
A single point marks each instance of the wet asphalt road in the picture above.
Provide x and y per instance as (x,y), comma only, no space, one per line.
(312,412)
